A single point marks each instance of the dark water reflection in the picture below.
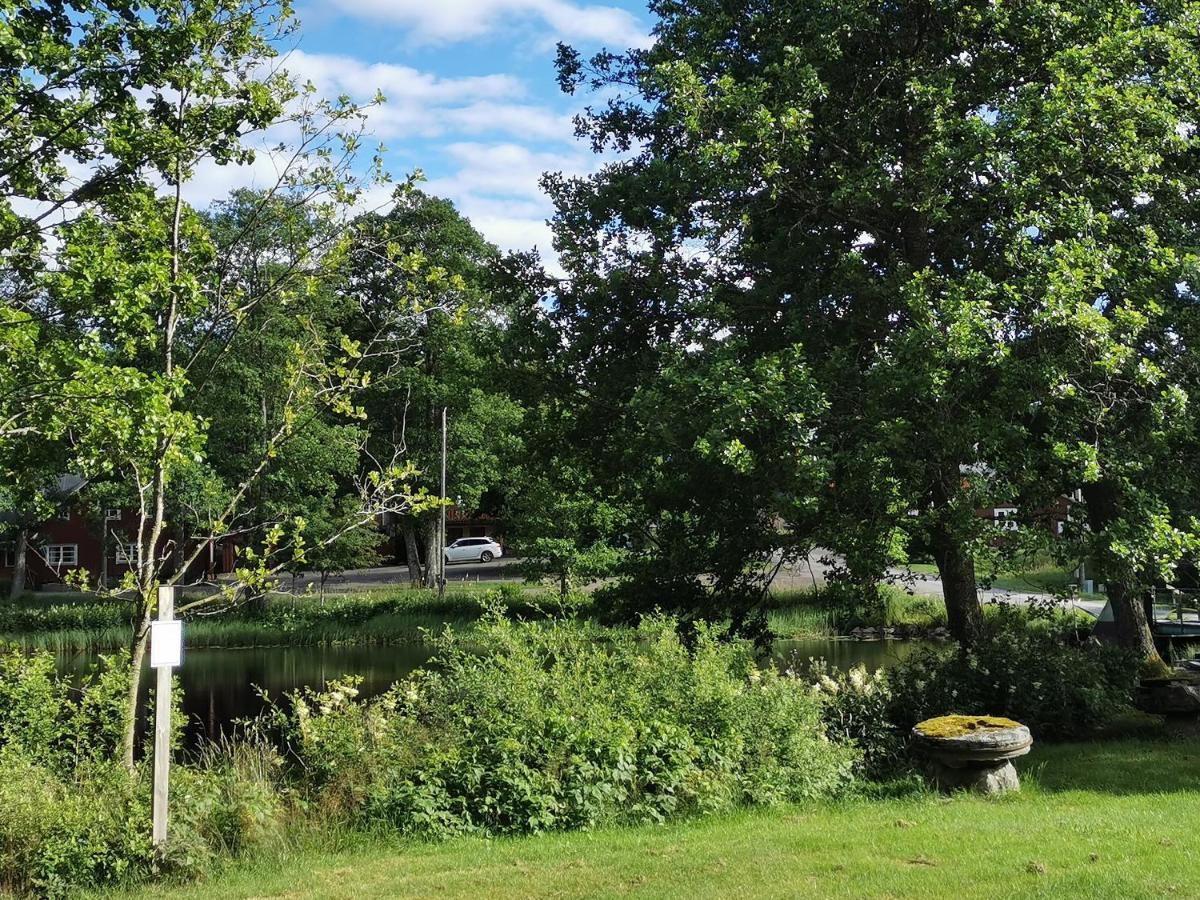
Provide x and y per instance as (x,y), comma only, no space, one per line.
(222,685)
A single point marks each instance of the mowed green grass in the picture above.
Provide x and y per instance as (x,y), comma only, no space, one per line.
(1094,820)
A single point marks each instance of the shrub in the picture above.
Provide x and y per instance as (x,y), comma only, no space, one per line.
(72,817)
(232,799)
(60,834)
(856,707)
(27,618)
(555,725)
(52,724)
(1025,666)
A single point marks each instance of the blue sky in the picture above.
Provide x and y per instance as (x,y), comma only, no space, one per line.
(472,96)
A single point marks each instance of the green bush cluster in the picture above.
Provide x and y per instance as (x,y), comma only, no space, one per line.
(1025,666)
(60,832)
(65,808)
(552,726)
(398,615)
(27,618)
(1029,667)
(857,707)
(71,816)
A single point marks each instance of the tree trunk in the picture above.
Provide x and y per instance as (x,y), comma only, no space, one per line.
(137,653)
(104,542)
(432,563)
(956,568)
(20,551)
(955,563)
(1131,620)
(410,550)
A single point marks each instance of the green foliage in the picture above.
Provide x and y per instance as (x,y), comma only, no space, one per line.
(393,616)
(72,817)
(850,606)
(856,708)
(46,720)
(1034,670)
(425,251)
(67,810)
(866,269)
(62,833)
(17,618)
(549,726)
(232,799)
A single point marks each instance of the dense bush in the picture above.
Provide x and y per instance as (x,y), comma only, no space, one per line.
(71,816)
(67,812)
(551,726)
(1028,667)
(856,707)
(59,833)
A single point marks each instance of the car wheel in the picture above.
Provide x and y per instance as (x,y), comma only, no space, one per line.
(486,556)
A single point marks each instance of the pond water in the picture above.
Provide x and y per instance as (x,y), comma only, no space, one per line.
(221,685)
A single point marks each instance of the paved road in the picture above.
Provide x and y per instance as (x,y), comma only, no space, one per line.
(812,571)
(382,576)
(798,576)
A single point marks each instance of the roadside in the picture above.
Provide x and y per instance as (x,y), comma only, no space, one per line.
(498,570)
(920,580)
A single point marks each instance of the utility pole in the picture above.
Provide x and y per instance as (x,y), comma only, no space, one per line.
(442,518)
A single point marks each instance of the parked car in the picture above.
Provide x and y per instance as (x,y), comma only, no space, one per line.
(476,549)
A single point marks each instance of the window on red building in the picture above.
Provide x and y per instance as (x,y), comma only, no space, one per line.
(61,555)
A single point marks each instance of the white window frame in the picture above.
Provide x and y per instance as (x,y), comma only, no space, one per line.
(112,514)
(56,558)
(1005,517)
(127,554)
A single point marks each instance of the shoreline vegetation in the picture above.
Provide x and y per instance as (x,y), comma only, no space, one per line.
(65,623)
(528,729)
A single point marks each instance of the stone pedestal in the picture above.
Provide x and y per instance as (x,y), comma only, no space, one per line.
(972,752)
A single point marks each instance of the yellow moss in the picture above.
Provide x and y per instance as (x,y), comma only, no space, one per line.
(1153,668)
(957,726)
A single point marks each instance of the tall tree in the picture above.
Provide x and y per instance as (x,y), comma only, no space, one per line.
(143,288)
(869,185)
(458,367)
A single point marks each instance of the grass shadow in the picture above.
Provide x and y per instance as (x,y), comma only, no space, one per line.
(1148,765)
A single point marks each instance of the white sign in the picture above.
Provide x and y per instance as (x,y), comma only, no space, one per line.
(166,644)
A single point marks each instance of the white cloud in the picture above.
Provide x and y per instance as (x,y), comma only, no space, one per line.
(521,120)
(449,21)
(418,103)
(504,169)
(496,186)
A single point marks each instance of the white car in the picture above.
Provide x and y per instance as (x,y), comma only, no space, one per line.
(476,549)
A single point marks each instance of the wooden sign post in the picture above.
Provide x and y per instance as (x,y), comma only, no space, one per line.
(166,652)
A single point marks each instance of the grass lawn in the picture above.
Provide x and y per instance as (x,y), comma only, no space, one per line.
(1035,575)
(1094,820)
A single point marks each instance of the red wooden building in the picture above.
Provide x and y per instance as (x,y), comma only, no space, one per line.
(102,544)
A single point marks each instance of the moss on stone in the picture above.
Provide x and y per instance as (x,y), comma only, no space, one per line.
(1153,668)
(959,726)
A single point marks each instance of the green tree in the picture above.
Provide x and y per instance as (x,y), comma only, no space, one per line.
(456,365)
(903,195)
(143,288)
(340,542)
